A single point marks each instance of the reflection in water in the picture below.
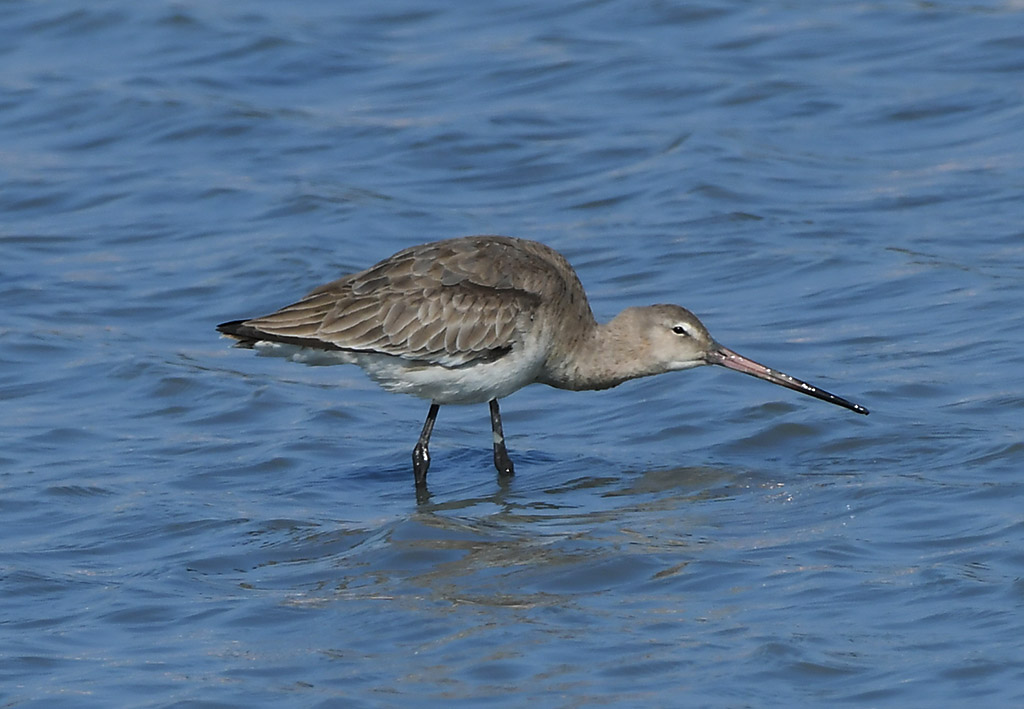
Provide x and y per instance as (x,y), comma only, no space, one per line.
(516,548)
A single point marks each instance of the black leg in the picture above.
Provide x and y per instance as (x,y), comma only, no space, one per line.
(420,454)
(501,460)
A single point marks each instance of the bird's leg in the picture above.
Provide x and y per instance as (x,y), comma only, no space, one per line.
(501,460)
(420,454)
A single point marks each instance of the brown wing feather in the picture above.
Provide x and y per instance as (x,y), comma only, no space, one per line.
(451,302)
(451,325)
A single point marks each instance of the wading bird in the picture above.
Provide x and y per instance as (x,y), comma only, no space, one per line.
(473,319)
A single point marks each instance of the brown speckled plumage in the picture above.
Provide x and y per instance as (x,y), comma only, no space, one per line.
(451,303)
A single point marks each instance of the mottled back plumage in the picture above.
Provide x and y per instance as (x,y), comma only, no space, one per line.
(451,303)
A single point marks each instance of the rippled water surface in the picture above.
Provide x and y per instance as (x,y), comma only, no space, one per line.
(835,188)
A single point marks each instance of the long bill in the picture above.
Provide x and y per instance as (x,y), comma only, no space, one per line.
(725,357)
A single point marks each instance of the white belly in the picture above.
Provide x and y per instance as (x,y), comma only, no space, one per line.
(469,384)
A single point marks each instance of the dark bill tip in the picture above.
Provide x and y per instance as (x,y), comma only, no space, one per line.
(724,357)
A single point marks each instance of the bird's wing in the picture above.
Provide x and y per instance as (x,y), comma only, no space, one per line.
(448,325)
(452,303)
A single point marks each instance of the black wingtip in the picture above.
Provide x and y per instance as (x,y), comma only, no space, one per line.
(232,327)
(246,335)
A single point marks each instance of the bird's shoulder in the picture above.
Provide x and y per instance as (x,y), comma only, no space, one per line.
(477,263)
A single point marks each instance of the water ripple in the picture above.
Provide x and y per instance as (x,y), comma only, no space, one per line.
(834,189)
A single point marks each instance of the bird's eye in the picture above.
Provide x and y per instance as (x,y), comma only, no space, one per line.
(679,330)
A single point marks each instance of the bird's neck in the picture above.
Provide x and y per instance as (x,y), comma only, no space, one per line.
(603,356)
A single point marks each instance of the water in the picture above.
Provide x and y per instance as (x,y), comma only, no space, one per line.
(834,188)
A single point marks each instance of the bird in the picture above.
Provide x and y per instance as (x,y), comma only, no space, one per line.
(473,319)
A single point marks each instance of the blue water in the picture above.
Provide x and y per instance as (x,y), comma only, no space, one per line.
(835,188)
